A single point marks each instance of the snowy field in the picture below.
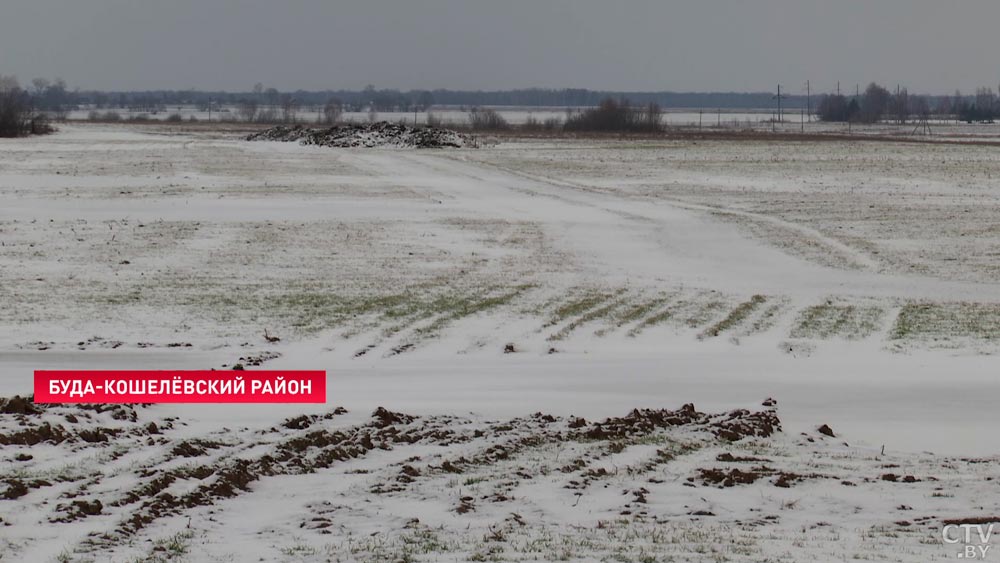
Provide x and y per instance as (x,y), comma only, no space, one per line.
(490,318)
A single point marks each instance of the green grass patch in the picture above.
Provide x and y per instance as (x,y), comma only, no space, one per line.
(829,320)
(453,308)
(947,321)
(590,316)
(735,317)
(634,313)
(579,306)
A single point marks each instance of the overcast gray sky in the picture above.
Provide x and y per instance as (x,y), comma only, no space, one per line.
(931,46)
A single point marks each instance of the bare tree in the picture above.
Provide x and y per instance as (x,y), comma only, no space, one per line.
(272,96)
(653,117)
(8,83)
(16,114)
(944,106)
(985,102)
(247,109)
(332,110)
(425,100)
(920,106)
(41,85)
(289,108)
(901,106)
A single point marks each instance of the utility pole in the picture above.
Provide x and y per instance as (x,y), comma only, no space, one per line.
(808,101)
(210,109)
(778,97)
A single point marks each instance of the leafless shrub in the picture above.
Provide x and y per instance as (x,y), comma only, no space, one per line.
(486,119)
(247,109)
(332,111)
(531,124)
(434,120)
(616,115)
(175,118)
(549,124)
(289,108)
(111,116)
(268,115)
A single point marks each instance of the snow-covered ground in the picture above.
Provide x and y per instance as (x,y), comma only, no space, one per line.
(854,283)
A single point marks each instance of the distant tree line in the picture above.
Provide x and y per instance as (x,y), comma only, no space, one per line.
(269,105)
(878,104)
(386,100)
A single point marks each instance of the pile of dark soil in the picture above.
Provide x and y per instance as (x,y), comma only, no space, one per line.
(369,135)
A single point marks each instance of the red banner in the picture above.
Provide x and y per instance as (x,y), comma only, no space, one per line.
(95,386)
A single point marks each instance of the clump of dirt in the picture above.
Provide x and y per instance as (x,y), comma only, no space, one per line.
(79,509)
(148,490)
(44,432)
(732,426)
(644,421)
(19,405)
(742,423)
(733,477)
(17,488)
(384,417)
(730,458)
(235,478)
(305,421)
(97,435)
(465,505)
(972,520)
(118,412)
(299,422)
(194,448)
(408,474)
(258,359)
(369,135)
(451,467)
